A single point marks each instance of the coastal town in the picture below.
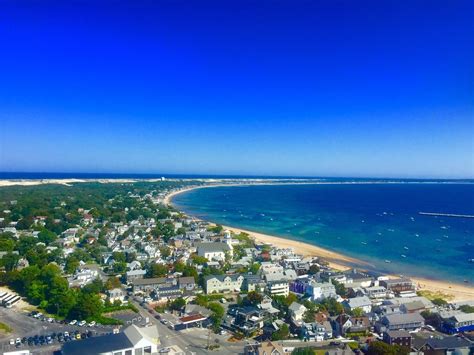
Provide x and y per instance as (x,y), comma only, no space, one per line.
(114,268)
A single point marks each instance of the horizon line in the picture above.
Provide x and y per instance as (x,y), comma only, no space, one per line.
(226,175)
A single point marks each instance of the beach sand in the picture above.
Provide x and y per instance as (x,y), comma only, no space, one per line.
(455,291)
(66,182)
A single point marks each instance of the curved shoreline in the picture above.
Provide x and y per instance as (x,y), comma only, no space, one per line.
(458,292)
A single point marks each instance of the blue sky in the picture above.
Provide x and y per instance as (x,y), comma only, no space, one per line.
(320,88)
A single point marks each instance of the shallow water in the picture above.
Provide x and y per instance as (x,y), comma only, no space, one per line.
(371,222)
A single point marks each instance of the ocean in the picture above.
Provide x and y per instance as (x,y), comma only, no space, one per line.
(376,223)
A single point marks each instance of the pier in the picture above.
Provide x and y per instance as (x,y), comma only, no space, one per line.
(446,214)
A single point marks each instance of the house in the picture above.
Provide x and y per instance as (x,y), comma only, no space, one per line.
(268,348)
(213,251)
(134,265)
(248,320)
(412,307)
(399,337)
(297,312)
(133,340)
(363,303)
(320,291)
(82,277)
(459,322)
(166,292)
(223,283)
(253,283)
(116,294)
(448,345)
(187,283)
(397,321)
(278,288)
(345,324)
(398,285)
(376,292)
(135,275)
(190,321)
(148,284)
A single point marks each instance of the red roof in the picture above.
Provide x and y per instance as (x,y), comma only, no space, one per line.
(192,318)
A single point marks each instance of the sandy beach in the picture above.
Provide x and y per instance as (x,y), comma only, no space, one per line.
(457,292)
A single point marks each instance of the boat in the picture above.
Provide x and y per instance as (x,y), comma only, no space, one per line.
(403,255)
(388,261)
(417,235)
(406,248)
(471,260)
(363,243)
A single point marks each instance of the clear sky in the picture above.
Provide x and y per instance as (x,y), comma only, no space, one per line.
(264,87)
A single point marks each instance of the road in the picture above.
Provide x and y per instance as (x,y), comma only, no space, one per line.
(193,340)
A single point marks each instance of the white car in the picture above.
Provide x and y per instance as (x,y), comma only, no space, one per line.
(18,341)
(82,323)
(91,324)
(50,320)
(73,322)
(12,341)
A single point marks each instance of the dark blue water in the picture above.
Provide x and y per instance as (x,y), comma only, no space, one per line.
(371,222)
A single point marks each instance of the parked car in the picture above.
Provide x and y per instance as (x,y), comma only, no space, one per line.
(82,323)
(73,322)
(91,324)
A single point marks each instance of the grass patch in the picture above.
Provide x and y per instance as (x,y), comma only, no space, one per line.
(112,309)
(432,295)
(5,328)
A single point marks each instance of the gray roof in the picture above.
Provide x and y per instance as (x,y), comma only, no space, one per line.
(212,247)
(398,334)
(97,345)
(448,343)
(151,281)
(221,278)
(402,318)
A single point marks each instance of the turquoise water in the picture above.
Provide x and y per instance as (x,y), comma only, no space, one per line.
(371,222)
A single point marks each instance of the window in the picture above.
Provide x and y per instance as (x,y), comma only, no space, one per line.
(128,352)
(139,351)
(147,350)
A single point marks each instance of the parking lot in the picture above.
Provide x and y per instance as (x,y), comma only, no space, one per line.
(40,335)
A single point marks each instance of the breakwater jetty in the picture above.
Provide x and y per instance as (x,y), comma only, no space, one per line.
(446,215)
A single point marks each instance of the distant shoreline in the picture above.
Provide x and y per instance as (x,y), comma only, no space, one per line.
(459,292)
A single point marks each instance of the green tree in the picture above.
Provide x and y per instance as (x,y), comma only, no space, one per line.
(46,236)
(158,270)
(439,302)
(10,261)
(178,304)
(340,288)
(381,348)
(254,298)
(313,269)
(357,312)
(112,282)
(282,333)
(88,305)
(467,308)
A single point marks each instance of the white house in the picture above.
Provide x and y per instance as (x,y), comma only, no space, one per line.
(297,311)
(320,291)
(363,303)
(223,283)
(214,251)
